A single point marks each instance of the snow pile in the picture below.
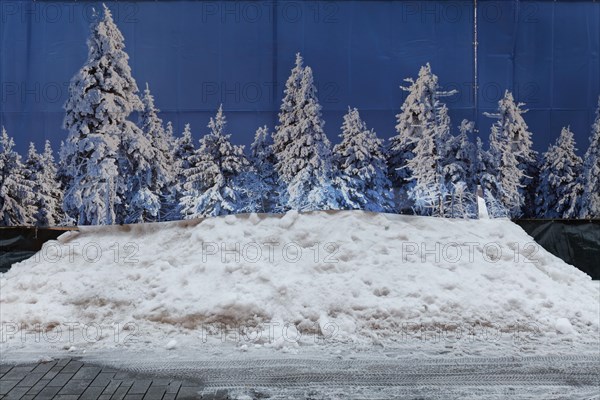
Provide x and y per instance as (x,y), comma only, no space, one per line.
(351,276)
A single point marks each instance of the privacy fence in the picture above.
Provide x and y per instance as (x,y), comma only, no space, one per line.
(20,243)
(198,54)
(575,241)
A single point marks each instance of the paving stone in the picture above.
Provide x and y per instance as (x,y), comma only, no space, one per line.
(88,373)
(68,379)
(7,385)
(161,381)
(17,373)
(72,366)
(75,387)
(62,362)
(188,393)
(92,393)
(174,387)
(140,387)
(16,393)
(61,379)
(44,367)
(155,392)
(112,386)
(26,367)
(122,375)
(38,387)
(120,393)
(4,368)
(103,379)
(47,393)
(53,372)
(32,379)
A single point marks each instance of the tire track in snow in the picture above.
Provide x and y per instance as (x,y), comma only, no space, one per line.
(572,376)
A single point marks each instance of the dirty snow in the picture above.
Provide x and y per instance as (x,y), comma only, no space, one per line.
(286,283)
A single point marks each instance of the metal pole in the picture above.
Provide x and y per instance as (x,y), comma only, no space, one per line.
(475,66)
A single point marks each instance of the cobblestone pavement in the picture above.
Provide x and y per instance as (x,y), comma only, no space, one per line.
(69,379)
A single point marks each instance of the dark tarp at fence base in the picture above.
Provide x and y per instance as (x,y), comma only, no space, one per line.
(577,242)
(20,243)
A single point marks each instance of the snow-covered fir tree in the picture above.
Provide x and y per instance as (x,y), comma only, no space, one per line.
(558,182)
(502,182)
(360,159)
(512,161)
(170,137)
(419,113)
(101,96)
(47,193)
(162,168)
(139,191)
(263,161)
(214,180)
(16,190)
(61,169)
(590,200)
(426,192)
(183,152)
(461,161)
(480,160)
(486,170)
(302,150)
(459,164)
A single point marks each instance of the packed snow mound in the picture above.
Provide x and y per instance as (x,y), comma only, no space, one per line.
(362,275)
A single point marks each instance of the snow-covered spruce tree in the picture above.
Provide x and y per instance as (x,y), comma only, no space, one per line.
(42,171)
(459,169)
(62,177)
(16,190)
(532,182)
(590,200)
(170,138)
(504,180)
(426,192)
(302,150)
(61,169)
(360,159)
(513,159)
(162,168)
(485,171)
(101,97)
(183,152)
(480,160)
(263,161)
(487,176)
(418,113)
(558,183)
(213,181)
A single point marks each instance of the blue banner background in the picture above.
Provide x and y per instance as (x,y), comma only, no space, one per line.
(196,55)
